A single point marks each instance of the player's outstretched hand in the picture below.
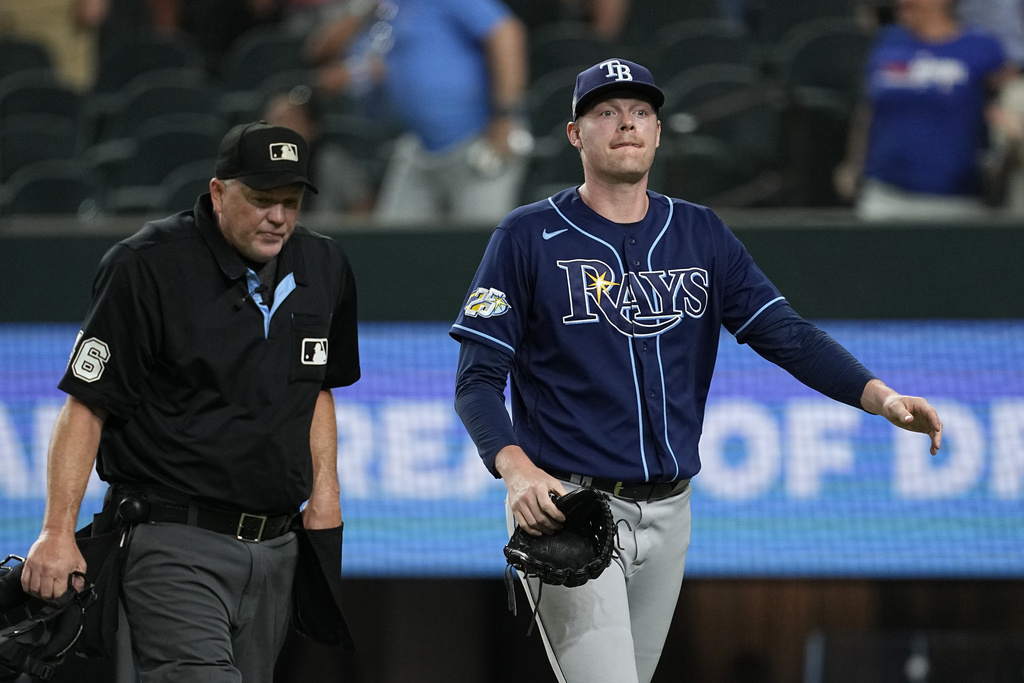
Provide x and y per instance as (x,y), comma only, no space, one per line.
(529,492)
(912,413)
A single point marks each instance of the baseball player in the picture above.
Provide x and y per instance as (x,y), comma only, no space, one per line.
(200,386)
(604,303)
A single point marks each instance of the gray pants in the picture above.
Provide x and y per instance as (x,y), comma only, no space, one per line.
(613,629)
(205,607)
(420,187)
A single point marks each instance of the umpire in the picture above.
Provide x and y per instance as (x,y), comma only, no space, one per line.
(200,386)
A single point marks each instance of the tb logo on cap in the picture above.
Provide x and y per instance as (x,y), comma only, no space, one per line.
(616,70)
(284,151)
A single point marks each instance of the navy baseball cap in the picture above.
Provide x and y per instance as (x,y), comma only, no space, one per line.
(613,74)
(263,156)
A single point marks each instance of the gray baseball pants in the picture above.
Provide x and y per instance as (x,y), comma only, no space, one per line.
(205,607)
(612,629)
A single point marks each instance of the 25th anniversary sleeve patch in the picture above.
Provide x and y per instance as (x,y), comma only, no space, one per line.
(486,302)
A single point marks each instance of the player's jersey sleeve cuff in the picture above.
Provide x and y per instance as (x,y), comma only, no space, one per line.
(460,332)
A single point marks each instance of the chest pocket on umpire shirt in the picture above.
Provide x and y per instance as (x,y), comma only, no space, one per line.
(308,347)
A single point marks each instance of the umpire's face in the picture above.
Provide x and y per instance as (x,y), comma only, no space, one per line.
(256,223)
(617,138)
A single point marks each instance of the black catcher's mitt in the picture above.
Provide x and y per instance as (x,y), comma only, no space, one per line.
(578,552)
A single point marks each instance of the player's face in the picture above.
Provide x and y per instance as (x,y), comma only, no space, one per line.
(617,138)
(256,223)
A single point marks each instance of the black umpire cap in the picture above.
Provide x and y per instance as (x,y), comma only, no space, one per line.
(610,75)
(263,156)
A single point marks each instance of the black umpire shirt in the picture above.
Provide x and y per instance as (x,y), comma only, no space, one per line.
(209,395)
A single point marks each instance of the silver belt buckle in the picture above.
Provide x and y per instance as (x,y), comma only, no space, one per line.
(250,527)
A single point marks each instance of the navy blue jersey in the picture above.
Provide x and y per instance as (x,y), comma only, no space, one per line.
(613,330)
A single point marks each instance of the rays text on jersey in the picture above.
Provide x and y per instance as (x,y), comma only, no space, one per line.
(640,304)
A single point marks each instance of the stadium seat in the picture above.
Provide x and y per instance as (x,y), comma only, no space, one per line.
(820,126)
(549,99)
(646,17)
(159,147)
(21,54)
(827,54)
(181,187)
(238,106)
(774,18)
(63,186)
(130,59)
(257,55)
(367,142)
(553,166)
(687,44)
(695,168)
(157,94)
(734,104)
(38,91)
(26,140)
(565,44)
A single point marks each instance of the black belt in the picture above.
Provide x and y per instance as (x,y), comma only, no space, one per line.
(643,492)
(244,526)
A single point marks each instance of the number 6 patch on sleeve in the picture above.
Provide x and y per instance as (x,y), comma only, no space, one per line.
(90,360)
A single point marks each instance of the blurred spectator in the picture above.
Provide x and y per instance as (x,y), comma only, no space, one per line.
(1002,18)
(302,17)
(606,17)
(1008,148)
(455,72)
(114,21)
(343,183)
(214,24)
(918,139)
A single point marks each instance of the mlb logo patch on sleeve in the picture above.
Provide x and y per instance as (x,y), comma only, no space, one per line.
(314,351)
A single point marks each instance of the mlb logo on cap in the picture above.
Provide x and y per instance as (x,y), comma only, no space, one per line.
(263,156)
(284,151)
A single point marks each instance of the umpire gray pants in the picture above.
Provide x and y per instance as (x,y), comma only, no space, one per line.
(612,629)
(205,607)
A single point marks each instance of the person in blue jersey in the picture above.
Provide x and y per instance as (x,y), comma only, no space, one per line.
(605,303)
(455,74)
(917,144)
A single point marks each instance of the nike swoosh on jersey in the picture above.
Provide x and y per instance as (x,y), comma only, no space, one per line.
(548,235)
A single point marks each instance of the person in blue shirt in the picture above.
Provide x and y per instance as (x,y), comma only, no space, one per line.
(454,72)
(1002,18)
(917,143)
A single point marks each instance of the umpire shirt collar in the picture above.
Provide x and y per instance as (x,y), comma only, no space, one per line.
(229,260)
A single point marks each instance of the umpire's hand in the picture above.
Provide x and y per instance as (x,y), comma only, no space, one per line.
(51,560)
(529,492)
